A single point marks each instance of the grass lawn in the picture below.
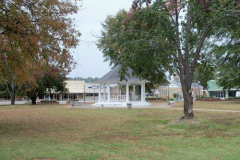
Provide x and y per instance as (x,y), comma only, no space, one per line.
(63,133)
(219,105)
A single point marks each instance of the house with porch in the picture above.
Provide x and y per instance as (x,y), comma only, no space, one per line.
(216,91)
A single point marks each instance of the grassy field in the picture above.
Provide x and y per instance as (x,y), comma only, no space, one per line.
(46,132)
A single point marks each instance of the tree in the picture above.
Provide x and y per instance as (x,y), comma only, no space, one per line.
(142,57)
(48,81)
(167,35)
(229,71)
(31,32)
(227,54)
(205,71)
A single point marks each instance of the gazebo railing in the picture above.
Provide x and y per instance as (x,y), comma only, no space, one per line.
(103,99)
(121,98)
(135,98)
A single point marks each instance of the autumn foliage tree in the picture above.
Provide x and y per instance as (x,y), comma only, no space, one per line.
(32,32)
(167,35)
(52,79)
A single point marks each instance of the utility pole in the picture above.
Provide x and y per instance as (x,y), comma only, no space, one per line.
(84,93)
(168,91)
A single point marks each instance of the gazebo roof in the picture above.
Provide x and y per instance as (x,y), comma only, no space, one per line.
(113,76)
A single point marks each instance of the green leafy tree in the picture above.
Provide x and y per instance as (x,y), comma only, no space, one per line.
(205,71)
(168,35)
(228,55)
(121,45)
(229,71)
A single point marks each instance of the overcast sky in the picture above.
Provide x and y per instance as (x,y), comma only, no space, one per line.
(88,21)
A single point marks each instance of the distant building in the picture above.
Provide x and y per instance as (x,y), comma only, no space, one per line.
(175,87)
(216,91)
(76,91)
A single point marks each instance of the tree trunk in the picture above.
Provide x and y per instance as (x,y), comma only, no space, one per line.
(188,99)
(33,100)
(13,99)
(188,106)
(13,95)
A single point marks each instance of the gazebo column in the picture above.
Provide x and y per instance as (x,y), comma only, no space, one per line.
(108,88)
(118,93)
(104,93)
(127,92)
(226,94)
(99,93)
(134,91)
(143,91)
(60,97)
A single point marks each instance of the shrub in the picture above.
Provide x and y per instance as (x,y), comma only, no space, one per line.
(175,95)
(153,98)
(51,101)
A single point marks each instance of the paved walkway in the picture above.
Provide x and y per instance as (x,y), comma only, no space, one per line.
(9,102)
(208,110)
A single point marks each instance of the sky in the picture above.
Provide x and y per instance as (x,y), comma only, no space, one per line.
(88,21)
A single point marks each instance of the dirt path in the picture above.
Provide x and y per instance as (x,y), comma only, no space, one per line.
(23,109)
(207,110)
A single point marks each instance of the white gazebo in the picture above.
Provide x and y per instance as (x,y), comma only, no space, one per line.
(130,90)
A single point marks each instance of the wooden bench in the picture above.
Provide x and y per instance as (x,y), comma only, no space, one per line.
(112,104)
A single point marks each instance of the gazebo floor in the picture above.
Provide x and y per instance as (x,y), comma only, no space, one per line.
(123,104)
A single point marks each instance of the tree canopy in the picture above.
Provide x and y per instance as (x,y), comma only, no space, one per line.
(134,46)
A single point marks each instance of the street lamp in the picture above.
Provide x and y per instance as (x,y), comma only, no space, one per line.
(94,93)
(199,88)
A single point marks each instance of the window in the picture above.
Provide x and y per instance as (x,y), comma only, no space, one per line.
(163,92)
